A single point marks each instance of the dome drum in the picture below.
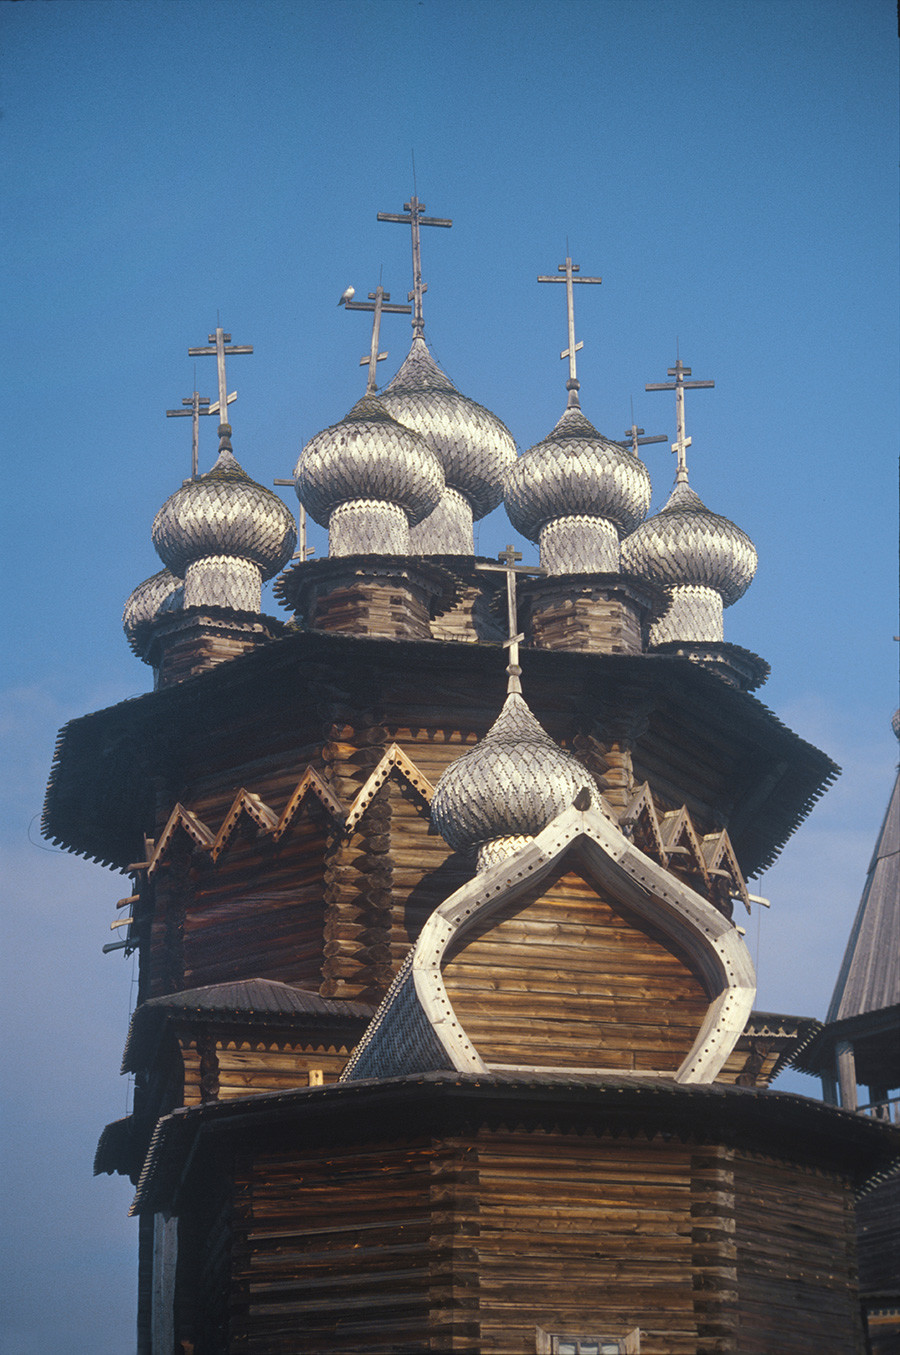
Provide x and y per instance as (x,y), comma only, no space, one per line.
(694,616)
(368,527)
(223,581)
(446,531)
(579,544)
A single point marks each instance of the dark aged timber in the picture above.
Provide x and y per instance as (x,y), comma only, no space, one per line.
(445,1038)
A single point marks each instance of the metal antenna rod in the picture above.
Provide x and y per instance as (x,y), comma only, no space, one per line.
(569,269)
(679,386)
(414,220)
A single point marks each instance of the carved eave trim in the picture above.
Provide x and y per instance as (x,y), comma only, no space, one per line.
(394,760)
(310,783)
(721,862)
(710,941)
(249,803)
(195,828)
(641,812)
(680,840)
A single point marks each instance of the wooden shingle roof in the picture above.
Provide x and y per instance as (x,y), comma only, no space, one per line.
(869,977)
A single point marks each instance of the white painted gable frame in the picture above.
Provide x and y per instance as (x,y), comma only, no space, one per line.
(710,941)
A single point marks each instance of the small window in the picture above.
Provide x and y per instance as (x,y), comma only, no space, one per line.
(568,1343)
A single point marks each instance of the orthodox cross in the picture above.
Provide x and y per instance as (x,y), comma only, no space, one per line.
(508,565)
(569,269)
(220,339)
(304,551)
(414,220)
(197,404)
(376,303)
(634,436)
(679,386)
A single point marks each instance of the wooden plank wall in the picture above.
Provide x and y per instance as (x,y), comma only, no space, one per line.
(561,977)
(795,1237)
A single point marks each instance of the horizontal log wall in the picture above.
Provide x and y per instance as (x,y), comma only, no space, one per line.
(795,1238)
(584,1235)
(562,978)
(331,1251)
(264,1064)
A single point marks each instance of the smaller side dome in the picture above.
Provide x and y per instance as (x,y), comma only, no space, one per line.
(686,544)
(474,447)
(702,559)
(510,785)
(576,472)
(368,456)
(224,513)
(160,595)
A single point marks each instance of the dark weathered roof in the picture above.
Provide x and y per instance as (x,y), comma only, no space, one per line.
(250,1001)
(869,977)
(440,1103)
(100,797)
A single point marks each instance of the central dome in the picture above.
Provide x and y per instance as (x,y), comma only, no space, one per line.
(473,446)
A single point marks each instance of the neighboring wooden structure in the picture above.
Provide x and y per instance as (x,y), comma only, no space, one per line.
(860,1044)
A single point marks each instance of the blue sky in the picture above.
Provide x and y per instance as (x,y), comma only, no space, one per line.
(728,168)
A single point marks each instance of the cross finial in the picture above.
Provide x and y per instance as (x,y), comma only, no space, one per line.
(636,438)
(414,219)
(569,269)
(197,404)
(679,386)
(510,567)
(377,303)
(222,345)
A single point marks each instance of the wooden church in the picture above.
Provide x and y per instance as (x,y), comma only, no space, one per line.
(445,1038)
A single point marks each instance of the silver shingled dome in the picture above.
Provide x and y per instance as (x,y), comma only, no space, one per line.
(157,596)
(513,783)
(368,455)
(474,447)
(684,543)
(575,470)
(224,512)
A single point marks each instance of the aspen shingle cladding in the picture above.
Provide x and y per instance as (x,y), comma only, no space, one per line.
(718,750)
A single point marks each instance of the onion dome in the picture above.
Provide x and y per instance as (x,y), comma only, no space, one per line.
(577,493)
(225,534)
(368,478)
(508,787)
(158,596)
(705,561)
(474,447)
